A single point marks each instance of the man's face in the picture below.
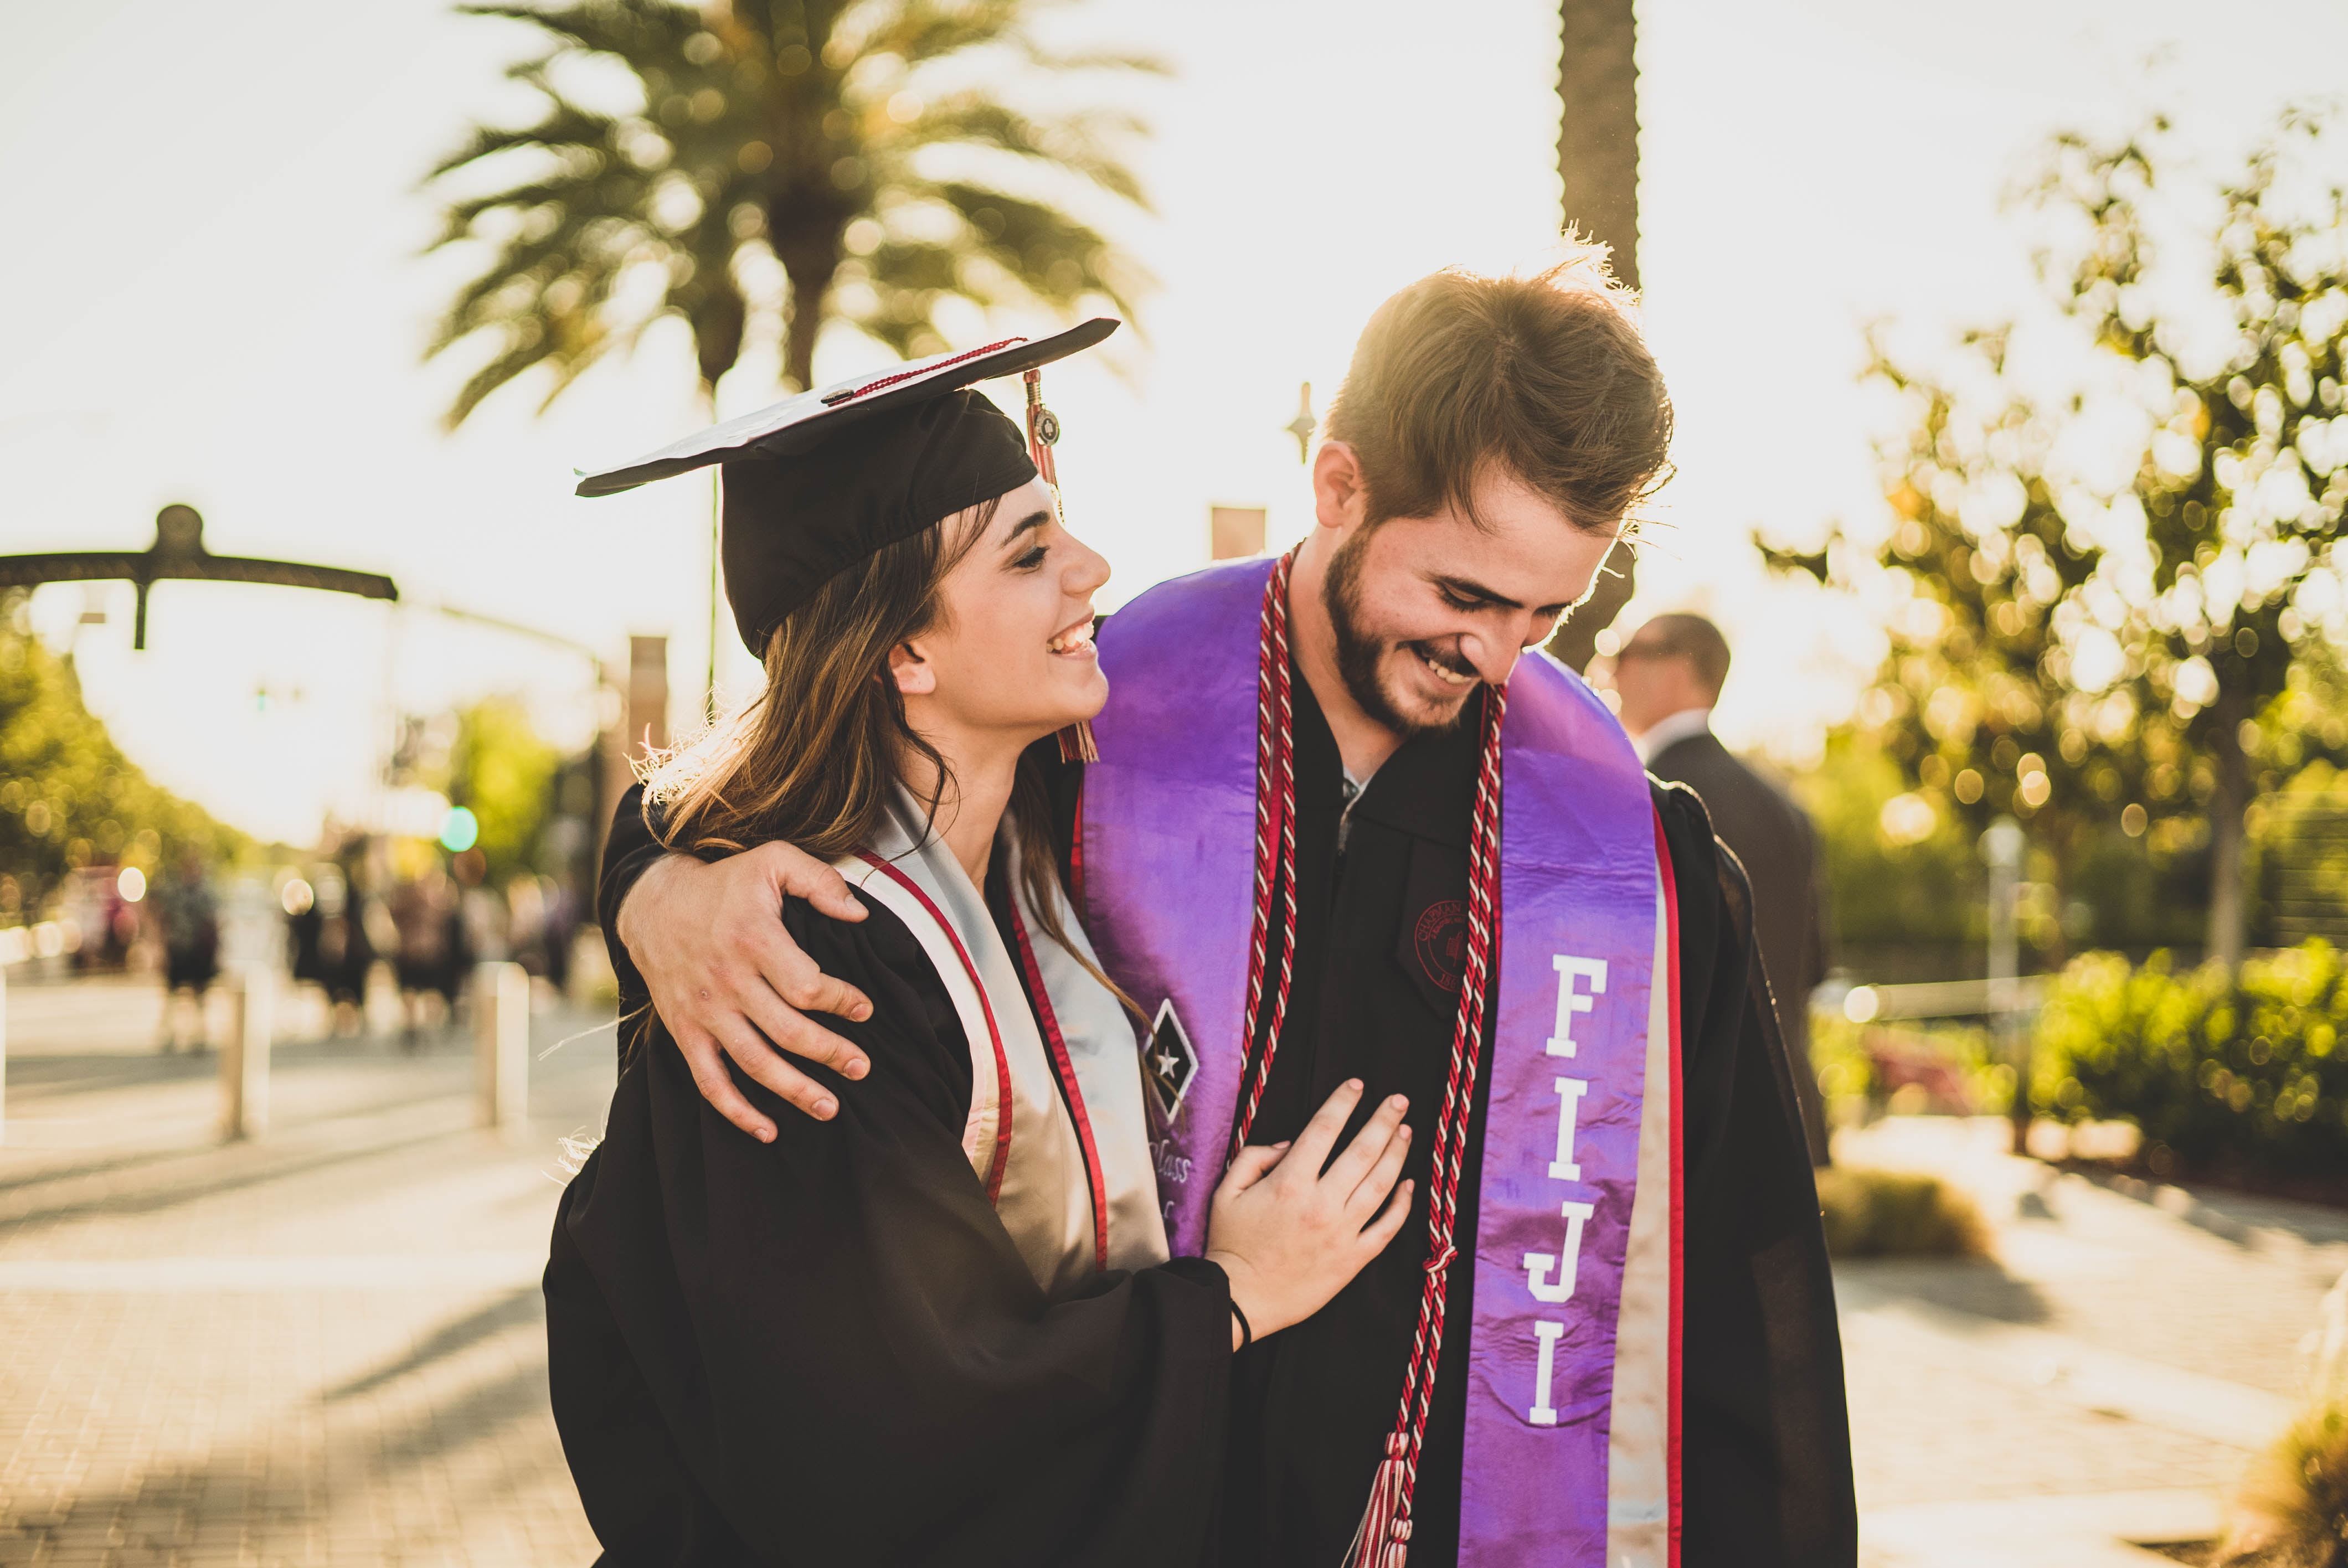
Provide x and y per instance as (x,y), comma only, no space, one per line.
(1425,608)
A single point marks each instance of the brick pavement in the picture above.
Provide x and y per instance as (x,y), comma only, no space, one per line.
(323,1347)
(327,1346)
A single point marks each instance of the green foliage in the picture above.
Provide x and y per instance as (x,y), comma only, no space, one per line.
(504,773)
(1887,889)
(1896,1214)
(2089,657)
(779,167)
(2246,1071)
(1857,1063)
(68,797)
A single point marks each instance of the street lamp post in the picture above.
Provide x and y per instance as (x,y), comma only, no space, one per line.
(179,552)
(2001,845)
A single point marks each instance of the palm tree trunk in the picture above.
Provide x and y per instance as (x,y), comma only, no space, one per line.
(1598,138)
(2230,801)
(811,289)
(1598,155)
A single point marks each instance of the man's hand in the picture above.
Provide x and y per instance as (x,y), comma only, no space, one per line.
(727,980)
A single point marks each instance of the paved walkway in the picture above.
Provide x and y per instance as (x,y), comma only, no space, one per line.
(323,1347)
(2099,1384)
(327,1346)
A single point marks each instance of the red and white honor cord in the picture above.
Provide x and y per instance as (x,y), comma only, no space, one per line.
(1383,1540)
(1275,843)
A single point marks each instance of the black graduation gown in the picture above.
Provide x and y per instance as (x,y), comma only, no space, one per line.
(1766,1471)
(828,1350)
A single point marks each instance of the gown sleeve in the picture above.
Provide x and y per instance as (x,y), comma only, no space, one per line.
(628,850)
(1767,1477)
(828,1350)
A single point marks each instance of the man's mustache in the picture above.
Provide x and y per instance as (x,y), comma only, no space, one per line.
(1441,657)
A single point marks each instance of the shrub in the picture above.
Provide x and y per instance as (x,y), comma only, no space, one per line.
(2292,1508)
(1953,1067)
(2242,1073)
(1896,1214)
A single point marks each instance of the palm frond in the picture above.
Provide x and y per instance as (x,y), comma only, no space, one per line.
(1079,142)
(573,207)
(632,29)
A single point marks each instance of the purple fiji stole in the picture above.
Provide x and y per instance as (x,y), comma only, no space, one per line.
(1581,1049)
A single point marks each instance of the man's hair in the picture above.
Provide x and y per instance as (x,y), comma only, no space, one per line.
(1546,376)
(1683,634)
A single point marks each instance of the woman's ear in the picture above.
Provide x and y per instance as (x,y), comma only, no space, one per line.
(915,676)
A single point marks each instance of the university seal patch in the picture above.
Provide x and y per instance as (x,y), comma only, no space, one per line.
(1441,940)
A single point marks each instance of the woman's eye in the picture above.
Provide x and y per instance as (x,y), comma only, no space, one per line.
(1031,560)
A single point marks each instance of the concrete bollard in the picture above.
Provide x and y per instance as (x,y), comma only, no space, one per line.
(500,1044)
(245,1055)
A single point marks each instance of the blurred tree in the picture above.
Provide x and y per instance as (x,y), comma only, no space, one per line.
(68,797)
(2245,477)
(1990,700)
(1905,889)
(786,164)
(505,773)
(2086,660)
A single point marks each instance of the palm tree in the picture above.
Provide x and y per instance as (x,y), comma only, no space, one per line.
(1598,155)
(784,163)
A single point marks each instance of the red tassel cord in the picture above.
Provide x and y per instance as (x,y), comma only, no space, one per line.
(1275,843)
(1383,1538)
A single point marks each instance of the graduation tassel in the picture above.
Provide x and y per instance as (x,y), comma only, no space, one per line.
(1076,742)
(1383,1538)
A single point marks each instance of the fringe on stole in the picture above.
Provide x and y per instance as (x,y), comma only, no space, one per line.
(1076,742)
(1383,1538)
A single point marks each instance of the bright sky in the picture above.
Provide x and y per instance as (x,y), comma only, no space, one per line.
(214,293)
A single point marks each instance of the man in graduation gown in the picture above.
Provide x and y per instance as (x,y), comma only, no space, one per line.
(1290,851)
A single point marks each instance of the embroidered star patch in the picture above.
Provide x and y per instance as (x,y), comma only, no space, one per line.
(1168,1061)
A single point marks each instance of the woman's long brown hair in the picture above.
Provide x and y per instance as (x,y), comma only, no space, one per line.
(811,761)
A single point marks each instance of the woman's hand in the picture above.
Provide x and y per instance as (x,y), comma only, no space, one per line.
(1290,1234)
(727,980)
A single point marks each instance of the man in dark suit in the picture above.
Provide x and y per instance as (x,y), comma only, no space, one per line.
(1668,676)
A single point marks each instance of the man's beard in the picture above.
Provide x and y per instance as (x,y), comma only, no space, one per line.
(1358,652)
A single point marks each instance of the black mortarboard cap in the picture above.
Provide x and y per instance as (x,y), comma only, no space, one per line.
(826,479)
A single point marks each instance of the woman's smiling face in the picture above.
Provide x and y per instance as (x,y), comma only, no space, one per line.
(1010,658)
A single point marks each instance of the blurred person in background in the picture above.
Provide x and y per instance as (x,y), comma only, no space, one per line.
(345,952)
(426,912)
(483,915)
(191,932)
(304,928)
(558,927)
(526,923)
(1668,678)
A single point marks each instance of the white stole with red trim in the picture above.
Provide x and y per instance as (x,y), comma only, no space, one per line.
(1056,1129)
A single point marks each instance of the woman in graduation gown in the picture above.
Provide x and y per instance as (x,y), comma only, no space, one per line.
(942,1325)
